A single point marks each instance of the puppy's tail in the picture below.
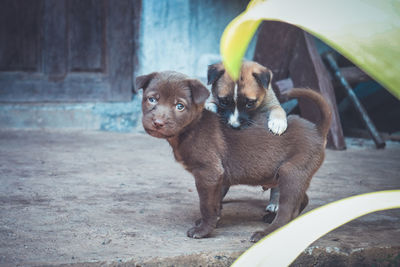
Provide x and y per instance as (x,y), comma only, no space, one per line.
(325,109)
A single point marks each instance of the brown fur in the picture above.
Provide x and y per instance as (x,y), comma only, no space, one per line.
(217,155)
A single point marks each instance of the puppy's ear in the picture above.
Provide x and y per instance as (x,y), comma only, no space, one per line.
(264,78)
(199,92)
(215,71)
(143,81)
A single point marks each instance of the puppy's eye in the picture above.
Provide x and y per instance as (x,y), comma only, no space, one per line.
(250,103)
(180,107)
(223,101)
(152,100)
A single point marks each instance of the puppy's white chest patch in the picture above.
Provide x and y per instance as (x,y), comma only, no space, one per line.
(234,118)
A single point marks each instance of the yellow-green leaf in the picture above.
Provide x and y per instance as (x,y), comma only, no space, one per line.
(297,235)
(367,32)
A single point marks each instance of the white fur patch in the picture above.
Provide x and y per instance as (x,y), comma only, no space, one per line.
(211,107)
(272,207)
(273,204)
(277,126)
(234,118)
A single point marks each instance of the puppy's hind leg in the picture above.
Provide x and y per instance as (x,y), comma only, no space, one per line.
(292,196)
(273,205)
(304,203)
(224,191)
(269,217)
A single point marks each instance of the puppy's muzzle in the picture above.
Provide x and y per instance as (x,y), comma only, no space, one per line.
(234,124)
(238,124)
(158,123)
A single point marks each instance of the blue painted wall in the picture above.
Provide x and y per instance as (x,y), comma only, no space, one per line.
(184,35)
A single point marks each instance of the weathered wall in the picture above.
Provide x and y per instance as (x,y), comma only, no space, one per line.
(184,35)
(180,35)
(117,117)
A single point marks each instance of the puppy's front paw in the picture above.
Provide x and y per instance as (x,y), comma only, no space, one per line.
(257,236)
(277,126)
(199,231)
(272,207)
(211,107)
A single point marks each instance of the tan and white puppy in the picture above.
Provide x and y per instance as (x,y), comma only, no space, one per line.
(250,100)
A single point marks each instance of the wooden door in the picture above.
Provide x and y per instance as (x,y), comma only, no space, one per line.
(67,50)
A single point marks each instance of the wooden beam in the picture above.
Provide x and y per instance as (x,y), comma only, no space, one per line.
(291,53)
(275,53)
(308,70)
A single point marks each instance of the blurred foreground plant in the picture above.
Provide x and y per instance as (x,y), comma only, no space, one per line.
(367,32)
(280,248)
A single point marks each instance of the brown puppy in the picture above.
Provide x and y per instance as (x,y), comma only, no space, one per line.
(218,155)
(248,100)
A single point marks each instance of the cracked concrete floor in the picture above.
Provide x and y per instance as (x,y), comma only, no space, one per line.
(91,198)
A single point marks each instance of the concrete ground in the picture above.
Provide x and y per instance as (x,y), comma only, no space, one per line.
(100,198)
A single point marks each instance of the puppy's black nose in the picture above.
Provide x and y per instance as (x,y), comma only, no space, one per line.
(158,123)
(236,127)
